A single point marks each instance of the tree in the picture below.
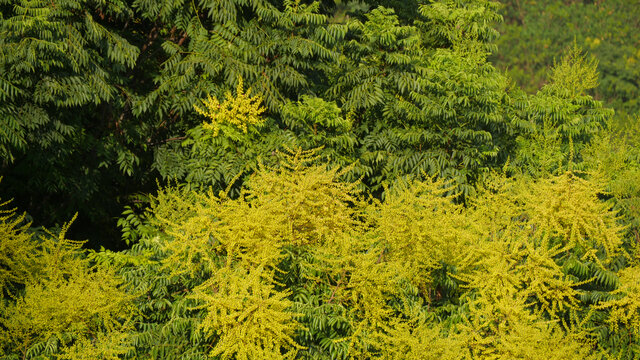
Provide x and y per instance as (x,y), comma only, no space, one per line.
(397,94)
(329,275)
(65,106)
(560,119)
(55,301)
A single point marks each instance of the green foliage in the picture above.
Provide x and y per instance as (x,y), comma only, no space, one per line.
(574,72)
(57,57)
(614,153)
(318,123)
(64,103)
(535,33)
(560,120)
(418,109)
(102,105)
(397,94)
(206,158)
(448,22)
(275,49)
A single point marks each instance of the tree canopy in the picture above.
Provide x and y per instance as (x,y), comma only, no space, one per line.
(290,179)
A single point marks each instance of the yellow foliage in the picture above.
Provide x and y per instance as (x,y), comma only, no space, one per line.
(239,110)
(17,263)
(574,72)
(249,315)
(411,341)
(383,263)
(567,207)
(372,285)
(625,308)
(500,323)
(543,279)
(240,242)
(535,224)
(291,205)
(559,209)
(423,229)
(108,346)
(69,307)
(314,205)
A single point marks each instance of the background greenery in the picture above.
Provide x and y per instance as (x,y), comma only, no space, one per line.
(534,33)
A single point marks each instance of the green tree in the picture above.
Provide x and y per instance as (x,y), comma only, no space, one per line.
(420,107)
(63,103)
(561,119)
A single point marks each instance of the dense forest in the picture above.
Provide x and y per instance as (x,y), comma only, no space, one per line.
(297,179)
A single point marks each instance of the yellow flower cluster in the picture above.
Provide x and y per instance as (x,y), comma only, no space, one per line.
(387,263)
(238,111)
(66,304)
(625,308)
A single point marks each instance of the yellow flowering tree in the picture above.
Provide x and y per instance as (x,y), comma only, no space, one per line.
(300,264)
(56,303)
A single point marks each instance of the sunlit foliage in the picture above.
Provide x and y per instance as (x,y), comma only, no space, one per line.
(307,261)
(56,302)
(238,110)
(373,188)
(560,120)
